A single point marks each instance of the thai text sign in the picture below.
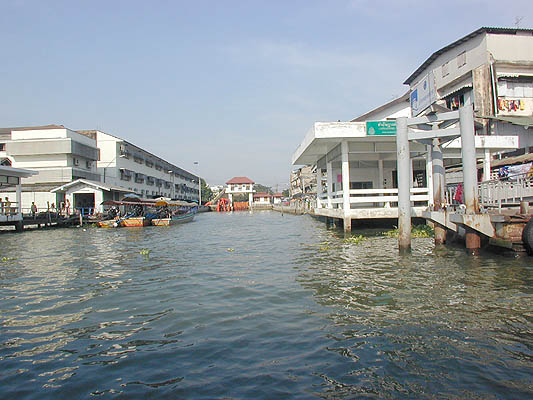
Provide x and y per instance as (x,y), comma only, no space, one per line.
(381,128)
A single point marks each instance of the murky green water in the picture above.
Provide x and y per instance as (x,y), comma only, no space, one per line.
(258,306)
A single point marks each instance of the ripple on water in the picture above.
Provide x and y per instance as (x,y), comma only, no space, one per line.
(292,311)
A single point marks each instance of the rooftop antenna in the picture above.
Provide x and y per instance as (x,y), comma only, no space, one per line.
(517,21)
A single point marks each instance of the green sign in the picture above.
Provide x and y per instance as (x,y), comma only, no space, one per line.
(381,128)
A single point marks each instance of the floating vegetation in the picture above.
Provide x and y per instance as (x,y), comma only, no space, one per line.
(354,239)
(6,259)
(324,248)
(231,249)
(417,231)
(145,252)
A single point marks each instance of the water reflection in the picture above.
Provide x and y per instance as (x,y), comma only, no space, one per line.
(423,316)
(293,311)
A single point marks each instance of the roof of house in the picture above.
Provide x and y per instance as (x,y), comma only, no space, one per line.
(277,195)
(31,128)
(481,30)
(239,180)
(262,194)
(94,184)
(365,116)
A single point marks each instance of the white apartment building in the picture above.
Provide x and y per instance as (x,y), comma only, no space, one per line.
(59,155)
(122,164)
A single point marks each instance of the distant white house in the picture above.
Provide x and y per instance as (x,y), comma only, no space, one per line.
(240,185)
(262,198)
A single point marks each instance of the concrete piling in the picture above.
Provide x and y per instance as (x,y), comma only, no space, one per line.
(468,154)
(404,203)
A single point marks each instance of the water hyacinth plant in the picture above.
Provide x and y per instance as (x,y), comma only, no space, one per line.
(417,231)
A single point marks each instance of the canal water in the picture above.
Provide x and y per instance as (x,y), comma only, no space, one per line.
(258,306)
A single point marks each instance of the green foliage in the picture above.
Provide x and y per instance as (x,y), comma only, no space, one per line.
(286,193)
(261,188)
(354,239)
(417,231)
(207,193)
(6,259)
(145,252)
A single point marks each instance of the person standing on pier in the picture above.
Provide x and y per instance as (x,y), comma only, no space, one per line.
(7,206)
(33,209)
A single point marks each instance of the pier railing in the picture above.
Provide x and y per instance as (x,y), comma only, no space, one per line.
(374,198)
(508,191)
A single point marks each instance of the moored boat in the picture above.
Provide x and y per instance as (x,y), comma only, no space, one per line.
(173,212)
(134,222)
(182,218)
(108,223)
(144,212)
(161,221)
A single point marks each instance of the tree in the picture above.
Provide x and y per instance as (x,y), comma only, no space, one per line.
(207,193)
(261,188)
(286,193)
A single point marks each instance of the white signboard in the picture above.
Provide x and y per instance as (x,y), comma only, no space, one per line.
(423,94)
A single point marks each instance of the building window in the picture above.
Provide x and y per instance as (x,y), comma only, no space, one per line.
(461,59)
(124,151)
(515,88)
(88,164)
(456,101)
(2,147)
(445,69)
(125,175)
(75,161)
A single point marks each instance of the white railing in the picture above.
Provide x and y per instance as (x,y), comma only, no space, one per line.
(508,191)
(374,198)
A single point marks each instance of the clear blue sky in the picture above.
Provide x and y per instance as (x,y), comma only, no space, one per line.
(234,85)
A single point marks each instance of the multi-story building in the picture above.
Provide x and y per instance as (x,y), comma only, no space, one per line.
(59,155)
(128,166)
(84,168)
(491,68)
(303,181)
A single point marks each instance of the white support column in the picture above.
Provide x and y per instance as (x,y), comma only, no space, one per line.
(411,175)
(380,178)
(346,186)
(468,155)
(19,199)
(329,171)
(98,199)
(250,199)
(380,174)
(318,187)
(404,203)
(429,175)
(486,165)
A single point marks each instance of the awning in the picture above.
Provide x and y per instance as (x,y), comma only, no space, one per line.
(455,89)
(522,121)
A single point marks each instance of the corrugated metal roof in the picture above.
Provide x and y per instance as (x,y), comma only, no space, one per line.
(460,41)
